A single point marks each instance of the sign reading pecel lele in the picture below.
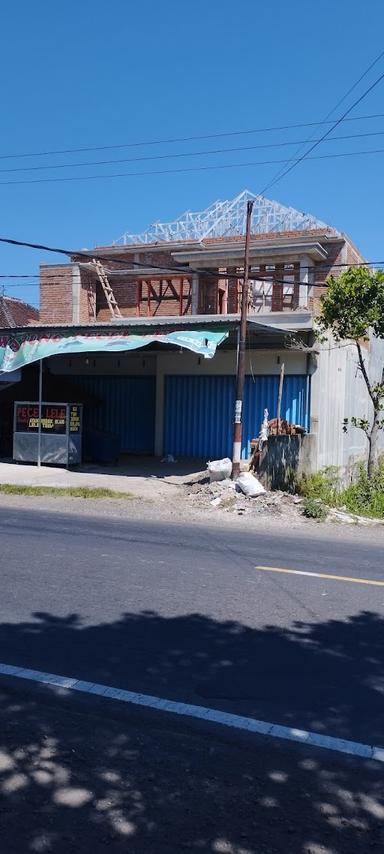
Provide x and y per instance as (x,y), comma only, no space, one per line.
(53,418)
(60,440)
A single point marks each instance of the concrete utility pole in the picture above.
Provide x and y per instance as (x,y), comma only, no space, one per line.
(240,375)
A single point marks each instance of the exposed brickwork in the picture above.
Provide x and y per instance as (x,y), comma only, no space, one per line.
(339,253)
(270,235)
(16,312)
(56,294)
(87,307)
(147,298)
(353,254)
(233,292)
(208,294)
(142,296)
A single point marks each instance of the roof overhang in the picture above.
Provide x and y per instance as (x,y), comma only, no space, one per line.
(207,256)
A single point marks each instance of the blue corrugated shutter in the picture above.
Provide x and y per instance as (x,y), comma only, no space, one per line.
(198,415)
(127,408)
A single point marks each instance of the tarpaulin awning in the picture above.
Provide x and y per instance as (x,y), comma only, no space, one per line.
(19,349)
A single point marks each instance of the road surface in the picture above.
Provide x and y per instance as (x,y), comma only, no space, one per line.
(195,616)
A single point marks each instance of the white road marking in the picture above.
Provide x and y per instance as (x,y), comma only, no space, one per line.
(311,739)
(349,578)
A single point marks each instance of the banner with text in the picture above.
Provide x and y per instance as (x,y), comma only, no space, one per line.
(19,349)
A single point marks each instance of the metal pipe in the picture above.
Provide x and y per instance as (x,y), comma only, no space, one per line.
(279,397)
(40,412)
(240,377)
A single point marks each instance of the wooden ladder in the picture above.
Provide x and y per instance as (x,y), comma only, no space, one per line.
(109,295)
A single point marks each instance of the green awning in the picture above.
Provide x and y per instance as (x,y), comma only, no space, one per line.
(19,349)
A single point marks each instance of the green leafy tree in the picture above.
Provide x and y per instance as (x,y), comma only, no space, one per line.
(351,309)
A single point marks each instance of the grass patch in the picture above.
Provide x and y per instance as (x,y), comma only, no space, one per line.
(58,491)
(364,496)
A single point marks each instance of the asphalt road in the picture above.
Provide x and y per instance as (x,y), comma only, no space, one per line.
(183,613)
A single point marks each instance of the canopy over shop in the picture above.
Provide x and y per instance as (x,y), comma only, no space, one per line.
(161,387)
(20,349)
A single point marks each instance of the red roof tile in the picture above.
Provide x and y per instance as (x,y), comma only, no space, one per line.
(15,312)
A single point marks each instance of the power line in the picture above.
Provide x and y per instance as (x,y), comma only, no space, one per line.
(56,276)
(185,154)
(182,138)
(186,169)
(180,270)
(336,106)
(324,136)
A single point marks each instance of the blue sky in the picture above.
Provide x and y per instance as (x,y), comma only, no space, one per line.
(81,74)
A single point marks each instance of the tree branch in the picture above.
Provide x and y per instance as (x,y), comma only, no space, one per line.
(364,372)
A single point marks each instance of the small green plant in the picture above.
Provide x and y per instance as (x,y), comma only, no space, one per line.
(365,496)
(323,485)
(313,508)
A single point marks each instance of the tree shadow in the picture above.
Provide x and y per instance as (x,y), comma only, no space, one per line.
(76,778)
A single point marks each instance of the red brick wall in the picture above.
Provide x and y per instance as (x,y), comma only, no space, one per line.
(164,298)
(56,287)
(87,291)
(208,301)
(338,253)
(56,294)
(233,292)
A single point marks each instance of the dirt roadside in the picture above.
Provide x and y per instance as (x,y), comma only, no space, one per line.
(275,512)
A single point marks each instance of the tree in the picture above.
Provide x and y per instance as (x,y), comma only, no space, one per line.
(352,309)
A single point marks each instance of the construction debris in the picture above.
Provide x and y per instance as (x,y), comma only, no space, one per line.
(227,496)
(342,516)
(250,485)
(219,469)
(273,427)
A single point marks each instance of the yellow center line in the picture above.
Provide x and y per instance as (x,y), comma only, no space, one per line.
(370,581)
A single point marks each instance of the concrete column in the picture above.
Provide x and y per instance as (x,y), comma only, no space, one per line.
(195,294)
(159,406)
(306,276)
(76,287)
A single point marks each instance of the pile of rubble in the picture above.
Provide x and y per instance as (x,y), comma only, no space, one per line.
(226,495)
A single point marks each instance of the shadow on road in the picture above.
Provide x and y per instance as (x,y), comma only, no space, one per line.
(75,779)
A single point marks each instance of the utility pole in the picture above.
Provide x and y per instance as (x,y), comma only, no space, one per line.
(240,374)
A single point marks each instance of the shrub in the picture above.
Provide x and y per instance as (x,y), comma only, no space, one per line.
(366,495)
(323,485)
(313,508)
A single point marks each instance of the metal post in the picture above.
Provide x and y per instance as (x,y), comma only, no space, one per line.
(279,396)
(40,411)
(240,375)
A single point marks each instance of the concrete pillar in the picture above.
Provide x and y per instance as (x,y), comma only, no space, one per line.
(195,294)
(76,286)
(159,407)
(306,276)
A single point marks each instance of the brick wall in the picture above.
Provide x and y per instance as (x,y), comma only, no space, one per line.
(340,253)
(87,307)
(154,298)
(157,298)
(233,292)
(56,294)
